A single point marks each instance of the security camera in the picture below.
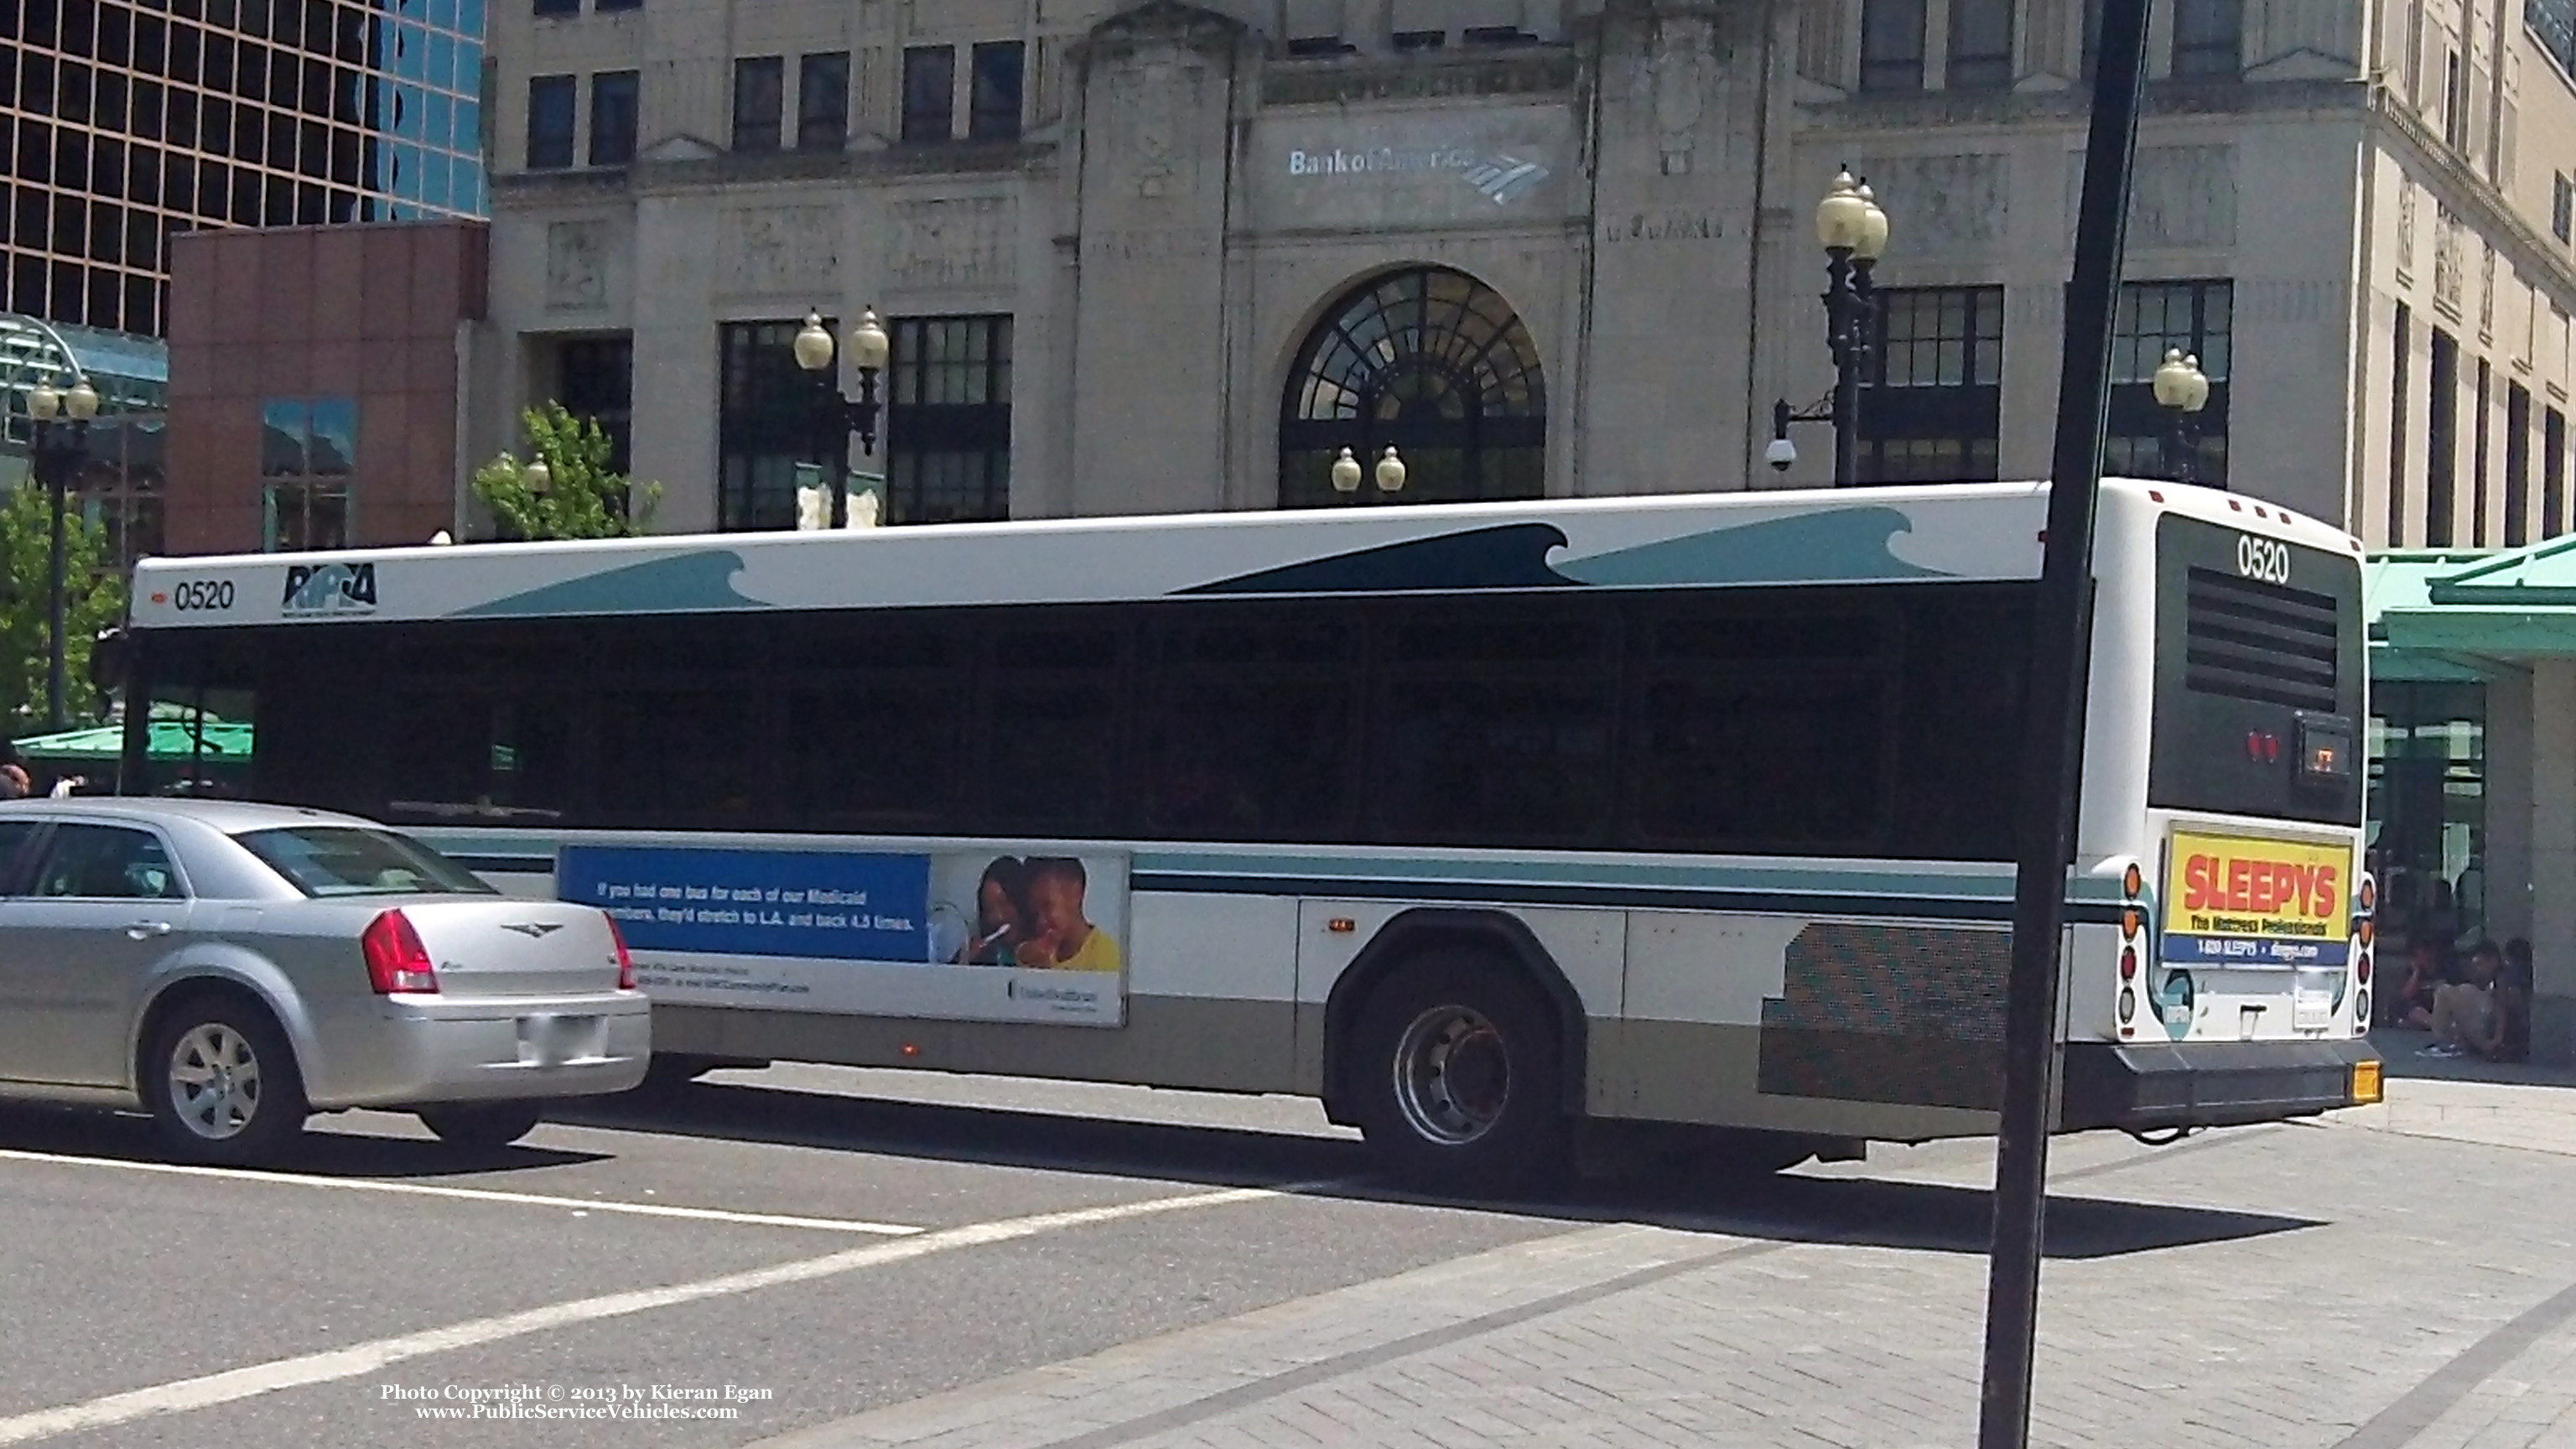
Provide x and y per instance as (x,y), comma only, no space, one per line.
(1782,455)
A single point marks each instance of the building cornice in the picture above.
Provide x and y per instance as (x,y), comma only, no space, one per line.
(969,159)
(1360,79)
(2073,105)
(2461,191)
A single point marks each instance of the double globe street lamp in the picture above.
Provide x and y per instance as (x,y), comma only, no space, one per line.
(869,349)
(2182,390)
(59,447)
(1389,474)
(1854,232)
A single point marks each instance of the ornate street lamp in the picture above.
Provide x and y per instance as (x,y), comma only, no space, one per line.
(60,447)
(2182,390)
(869,349)
(1853,230)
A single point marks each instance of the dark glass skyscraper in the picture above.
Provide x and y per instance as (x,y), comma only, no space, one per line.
(125,121)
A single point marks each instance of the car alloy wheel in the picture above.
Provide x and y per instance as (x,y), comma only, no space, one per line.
(214,1081)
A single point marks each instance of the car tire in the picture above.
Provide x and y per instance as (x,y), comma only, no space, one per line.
(1457,1076)
(221,1081)
(482,1126)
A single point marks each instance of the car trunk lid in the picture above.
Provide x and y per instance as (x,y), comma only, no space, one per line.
(496,946)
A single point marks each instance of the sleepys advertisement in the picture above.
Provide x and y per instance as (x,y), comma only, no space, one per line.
(2233,900)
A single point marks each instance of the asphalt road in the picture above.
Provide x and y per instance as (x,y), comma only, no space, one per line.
(928,1234)
(842,1246)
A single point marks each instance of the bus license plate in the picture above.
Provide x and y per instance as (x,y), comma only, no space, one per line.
(2311,1011)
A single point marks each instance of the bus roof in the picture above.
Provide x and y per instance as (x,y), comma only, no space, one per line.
(1882,534)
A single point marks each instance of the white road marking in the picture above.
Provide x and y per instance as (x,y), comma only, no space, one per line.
(474,1194)
(361,1359)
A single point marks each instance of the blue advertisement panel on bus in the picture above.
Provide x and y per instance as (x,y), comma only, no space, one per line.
(973,936)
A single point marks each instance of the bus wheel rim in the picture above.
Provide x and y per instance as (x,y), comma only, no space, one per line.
(1452,1075)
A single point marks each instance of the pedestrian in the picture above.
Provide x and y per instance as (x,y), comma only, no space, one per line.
(14,784)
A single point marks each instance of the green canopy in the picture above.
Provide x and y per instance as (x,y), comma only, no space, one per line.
(227,742)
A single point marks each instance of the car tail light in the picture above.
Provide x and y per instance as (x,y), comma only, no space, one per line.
(625,963)
(396,960)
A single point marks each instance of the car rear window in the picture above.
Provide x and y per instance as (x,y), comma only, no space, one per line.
(343,860)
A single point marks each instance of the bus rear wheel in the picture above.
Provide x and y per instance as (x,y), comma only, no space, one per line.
(1457,1077)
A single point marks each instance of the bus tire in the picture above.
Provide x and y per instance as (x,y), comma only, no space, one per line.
(1456,1073)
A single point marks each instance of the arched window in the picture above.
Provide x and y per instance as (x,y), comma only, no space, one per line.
(1430,361)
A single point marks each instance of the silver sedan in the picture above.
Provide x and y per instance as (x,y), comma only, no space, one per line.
(232,968)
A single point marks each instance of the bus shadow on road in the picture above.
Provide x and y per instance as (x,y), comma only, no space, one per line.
(131,1137)
(1792,1207)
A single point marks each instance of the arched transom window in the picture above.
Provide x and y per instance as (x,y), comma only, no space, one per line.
(1432,362)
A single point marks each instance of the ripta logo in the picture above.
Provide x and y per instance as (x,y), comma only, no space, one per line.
(332,588)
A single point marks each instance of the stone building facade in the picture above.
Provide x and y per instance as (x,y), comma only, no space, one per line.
(1163,256)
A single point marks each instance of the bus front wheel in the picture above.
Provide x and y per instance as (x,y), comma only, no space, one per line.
(1458,1076)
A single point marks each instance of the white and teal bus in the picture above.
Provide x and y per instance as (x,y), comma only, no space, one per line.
(1493,826)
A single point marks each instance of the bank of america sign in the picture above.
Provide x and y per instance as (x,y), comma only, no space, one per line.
(1498,176)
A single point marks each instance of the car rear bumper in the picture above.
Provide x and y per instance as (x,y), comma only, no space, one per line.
(2147,1085)
(427,1049)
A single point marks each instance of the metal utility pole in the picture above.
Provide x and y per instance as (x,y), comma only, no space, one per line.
(2055,739)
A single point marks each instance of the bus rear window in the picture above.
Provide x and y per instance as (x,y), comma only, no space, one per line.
(2258,680)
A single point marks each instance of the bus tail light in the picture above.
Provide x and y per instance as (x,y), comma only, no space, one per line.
(396,959)
(2128,1004)
(2128,963)
(2362,968)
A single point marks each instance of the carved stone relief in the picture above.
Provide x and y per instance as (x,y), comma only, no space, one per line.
(769,249)
(1941,205)
(2183,196)
(1155,95)
(1674,82)
(962,244)
(2448,263)
(2406,228)
(576,265)
(2486,292)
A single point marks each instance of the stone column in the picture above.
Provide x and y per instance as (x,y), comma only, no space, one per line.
(2512,800)
(1149,429)
(2552,876)
(1671,315)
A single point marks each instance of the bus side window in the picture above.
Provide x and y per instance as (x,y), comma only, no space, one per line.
(1053,729)
(1248,717)
(1762,723)
(1493,722)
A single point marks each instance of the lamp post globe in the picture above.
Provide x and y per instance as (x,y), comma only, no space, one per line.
(1873,232)
(2172,380)
(1346,473)
(2198,395)
(1842,217)
(869,346)
(81,402)
(537,476)
(44,402)
(812,345)
(1390,472)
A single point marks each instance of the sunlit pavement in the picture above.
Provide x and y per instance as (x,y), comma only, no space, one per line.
(813,1257)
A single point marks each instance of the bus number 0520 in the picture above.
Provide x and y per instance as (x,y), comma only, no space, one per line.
(203,596)
(2267,559)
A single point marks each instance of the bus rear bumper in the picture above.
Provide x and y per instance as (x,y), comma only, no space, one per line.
(2147,1085)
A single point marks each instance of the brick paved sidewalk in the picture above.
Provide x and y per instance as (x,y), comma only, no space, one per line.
(2395,1278)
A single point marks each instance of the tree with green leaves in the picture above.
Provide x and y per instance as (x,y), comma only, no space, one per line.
(576,496)
(93,599)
